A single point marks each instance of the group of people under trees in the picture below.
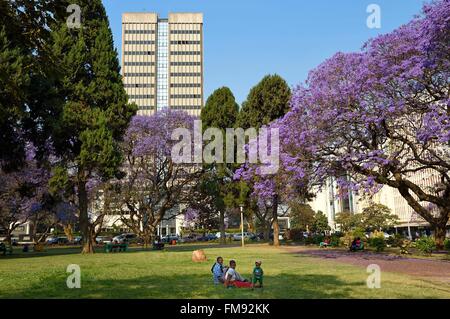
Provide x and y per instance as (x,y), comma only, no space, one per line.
(229,277)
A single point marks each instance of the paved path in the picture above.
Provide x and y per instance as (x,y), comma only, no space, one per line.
(428,269)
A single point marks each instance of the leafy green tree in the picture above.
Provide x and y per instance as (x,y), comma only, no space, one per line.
(301,215)
(94,112)
(267,101)
(348,221)
(220,111)
(378,217)
(320,224)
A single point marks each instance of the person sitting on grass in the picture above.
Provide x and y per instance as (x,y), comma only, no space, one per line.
(325,243)
(217,270)
(257,275)
(356,244)
(234,279)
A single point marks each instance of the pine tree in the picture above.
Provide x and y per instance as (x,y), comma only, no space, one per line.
(94,112)
(267,101)
(220,111)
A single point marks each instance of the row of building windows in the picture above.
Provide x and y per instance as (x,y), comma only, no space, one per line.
(139,31)
(186,63)
(185,52)
(186,107)
(139,63)
(138,74)
(143,85)
(139,42)
(185,31)
(185,85)
(139,52)
(146,107)
(185,74)
(184,42)
(185,96)
(141,96)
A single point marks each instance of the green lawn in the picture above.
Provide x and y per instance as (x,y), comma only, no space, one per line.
(171,274)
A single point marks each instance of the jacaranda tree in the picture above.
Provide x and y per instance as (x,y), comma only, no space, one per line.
(155,183)
(381,117)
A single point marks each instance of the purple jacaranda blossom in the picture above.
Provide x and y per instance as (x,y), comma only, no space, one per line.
(376,117)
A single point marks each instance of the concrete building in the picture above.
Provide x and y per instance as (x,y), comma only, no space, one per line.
(162,61)
(162,68)
(329,201)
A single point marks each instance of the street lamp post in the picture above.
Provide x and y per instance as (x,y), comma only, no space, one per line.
(242,224)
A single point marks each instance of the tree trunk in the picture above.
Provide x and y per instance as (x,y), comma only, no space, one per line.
(276,227)
(68,232)
(85,227)
(222,227)
(147,241)
(267,228)
(439,234)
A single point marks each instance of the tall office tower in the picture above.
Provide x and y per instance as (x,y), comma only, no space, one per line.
(162,61)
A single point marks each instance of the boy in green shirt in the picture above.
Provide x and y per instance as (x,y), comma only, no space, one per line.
(257,275)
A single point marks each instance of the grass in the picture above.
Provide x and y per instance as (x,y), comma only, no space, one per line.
(172,274)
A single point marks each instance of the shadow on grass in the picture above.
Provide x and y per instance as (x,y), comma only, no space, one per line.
(70,250)
(286,286)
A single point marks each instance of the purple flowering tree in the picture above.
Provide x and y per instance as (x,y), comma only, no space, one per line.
(23,193)
(288,182)
(381,117)
(155,184)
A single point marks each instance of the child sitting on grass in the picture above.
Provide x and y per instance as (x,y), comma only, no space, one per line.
(258,274)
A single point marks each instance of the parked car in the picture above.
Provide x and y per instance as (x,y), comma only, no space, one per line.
(188,239)
(78,240)
(227,235)
(280,236)
(169,238)
(57,241)
(103,240)
(207,237)
(125,238)
(247,235)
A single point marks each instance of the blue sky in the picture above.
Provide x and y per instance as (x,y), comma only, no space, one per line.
(247,39)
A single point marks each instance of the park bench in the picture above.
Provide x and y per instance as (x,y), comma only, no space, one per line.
(6,248)
(111,247)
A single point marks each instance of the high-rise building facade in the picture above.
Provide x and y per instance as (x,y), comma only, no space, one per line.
(162,61)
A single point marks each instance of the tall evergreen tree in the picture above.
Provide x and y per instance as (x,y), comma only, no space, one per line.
(94,112)
(220,111)
(267,101)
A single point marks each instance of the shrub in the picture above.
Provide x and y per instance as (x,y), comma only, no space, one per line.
(378,243)
(447,244)
(314,239)
(349,236)
(318,239)
(404,246)
(335,240)
(426,245)
(294,234)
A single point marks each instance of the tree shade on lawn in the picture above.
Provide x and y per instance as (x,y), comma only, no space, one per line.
(172,274)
